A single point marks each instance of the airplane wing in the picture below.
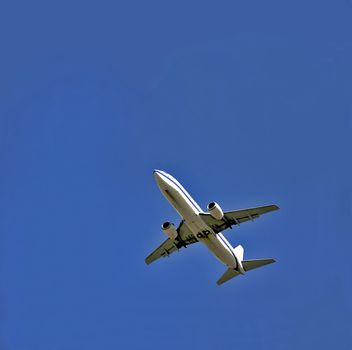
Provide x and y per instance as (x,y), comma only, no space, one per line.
(185,238)
(236,217)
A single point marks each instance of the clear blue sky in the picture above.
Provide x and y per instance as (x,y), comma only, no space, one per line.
(244,102)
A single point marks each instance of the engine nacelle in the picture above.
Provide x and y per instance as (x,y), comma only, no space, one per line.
(169,230)
(215,211)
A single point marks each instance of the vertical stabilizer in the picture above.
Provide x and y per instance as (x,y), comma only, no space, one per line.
(239,251)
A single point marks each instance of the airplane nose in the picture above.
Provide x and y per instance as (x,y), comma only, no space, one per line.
(159,177)
(156,174)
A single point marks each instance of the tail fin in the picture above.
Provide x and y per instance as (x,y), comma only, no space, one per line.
(230,273)
(254,264)
(239,251)
(247,265)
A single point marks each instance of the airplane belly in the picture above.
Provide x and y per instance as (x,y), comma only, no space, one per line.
(221,252)
(181,203)
(216,243)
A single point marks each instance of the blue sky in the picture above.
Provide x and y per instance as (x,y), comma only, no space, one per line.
(245,103)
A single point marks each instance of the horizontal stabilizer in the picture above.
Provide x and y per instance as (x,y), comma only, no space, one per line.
(253,264)
(230,273)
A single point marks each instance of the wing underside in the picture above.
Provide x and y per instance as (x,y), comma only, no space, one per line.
(185,238)
(236,217)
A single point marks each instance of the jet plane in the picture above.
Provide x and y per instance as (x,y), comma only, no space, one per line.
(205,227)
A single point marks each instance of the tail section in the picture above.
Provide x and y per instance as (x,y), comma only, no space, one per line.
(254,264)
(243,265)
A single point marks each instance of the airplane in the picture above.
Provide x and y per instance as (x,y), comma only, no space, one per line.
(206,227)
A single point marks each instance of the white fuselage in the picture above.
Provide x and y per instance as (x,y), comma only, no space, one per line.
(189,210)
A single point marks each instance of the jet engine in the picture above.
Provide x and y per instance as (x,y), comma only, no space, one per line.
(215,211)
(169,230)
